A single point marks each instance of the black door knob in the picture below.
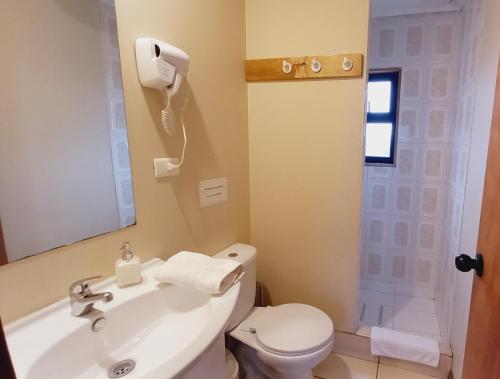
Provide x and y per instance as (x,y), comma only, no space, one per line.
(465,263)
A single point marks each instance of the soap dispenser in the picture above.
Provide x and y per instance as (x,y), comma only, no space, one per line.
(128,267)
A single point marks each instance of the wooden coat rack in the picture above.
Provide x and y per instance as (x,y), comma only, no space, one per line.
(307,67)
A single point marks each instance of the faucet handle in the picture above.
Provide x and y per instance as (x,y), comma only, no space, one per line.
(83,284)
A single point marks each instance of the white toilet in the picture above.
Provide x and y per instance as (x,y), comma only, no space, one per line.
(286,341)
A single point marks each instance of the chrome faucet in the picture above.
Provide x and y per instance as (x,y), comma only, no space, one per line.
(82,299)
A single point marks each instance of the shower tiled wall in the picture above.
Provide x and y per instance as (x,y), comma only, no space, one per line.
(458,152)
(404,206)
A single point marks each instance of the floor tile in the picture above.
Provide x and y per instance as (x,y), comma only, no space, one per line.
(370,314)
(367,314)
(374,297)
(338,366)
(415,304)
(355,345)
(387,317)
(422,322)
(375,285)
(416,291)
(376,315)
(364,331)
(388,372)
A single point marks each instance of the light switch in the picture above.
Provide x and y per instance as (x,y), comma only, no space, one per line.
(213,191)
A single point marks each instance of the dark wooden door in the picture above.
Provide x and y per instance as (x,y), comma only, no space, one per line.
(3,250)
(482,352)
(6,368)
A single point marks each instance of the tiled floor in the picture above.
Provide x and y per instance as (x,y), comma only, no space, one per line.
(338,366)
(409,314)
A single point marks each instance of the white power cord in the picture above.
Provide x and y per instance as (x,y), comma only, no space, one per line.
(168,117)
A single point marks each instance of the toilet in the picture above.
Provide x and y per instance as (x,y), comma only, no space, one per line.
(285,341)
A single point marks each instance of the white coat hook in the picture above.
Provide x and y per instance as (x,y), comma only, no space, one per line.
(347,64)
(287,67)
(316,65)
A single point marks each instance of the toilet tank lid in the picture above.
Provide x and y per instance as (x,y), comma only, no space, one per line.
(293,329)
(238,251)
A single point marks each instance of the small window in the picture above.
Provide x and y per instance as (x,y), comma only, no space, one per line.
(382,101)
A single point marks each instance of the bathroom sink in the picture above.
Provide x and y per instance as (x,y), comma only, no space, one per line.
(160,328)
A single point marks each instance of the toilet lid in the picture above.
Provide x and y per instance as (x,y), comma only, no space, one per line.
(293,329)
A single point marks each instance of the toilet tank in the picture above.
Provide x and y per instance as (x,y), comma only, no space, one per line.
(246,255)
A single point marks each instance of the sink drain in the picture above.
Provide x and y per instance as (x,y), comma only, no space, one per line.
(122,368)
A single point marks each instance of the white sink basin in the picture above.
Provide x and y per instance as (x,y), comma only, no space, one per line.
(161,327)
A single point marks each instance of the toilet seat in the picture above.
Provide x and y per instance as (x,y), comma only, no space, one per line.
(292,329)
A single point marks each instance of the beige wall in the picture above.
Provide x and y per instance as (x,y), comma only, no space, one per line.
(306,143)
(306,155)
(168,216)
(56,175)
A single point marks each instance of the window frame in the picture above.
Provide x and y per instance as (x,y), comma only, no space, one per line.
(394,76)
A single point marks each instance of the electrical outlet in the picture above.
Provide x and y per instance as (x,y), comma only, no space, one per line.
(162,167)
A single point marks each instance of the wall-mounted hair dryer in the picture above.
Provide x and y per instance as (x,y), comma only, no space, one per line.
(163,66)
(160,65)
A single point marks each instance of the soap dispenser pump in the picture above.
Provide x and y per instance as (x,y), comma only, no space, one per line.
(128,267)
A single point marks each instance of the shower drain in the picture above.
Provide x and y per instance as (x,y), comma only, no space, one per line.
(122,368)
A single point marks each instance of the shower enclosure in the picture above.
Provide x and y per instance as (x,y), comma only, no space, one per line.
(412,211)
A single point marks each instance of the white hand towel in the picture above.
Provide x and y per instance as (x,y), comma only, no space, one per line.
(204,273)
(389,343)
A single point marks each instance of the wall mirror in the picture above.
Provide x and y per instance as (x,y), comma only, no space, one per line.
(64,161)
